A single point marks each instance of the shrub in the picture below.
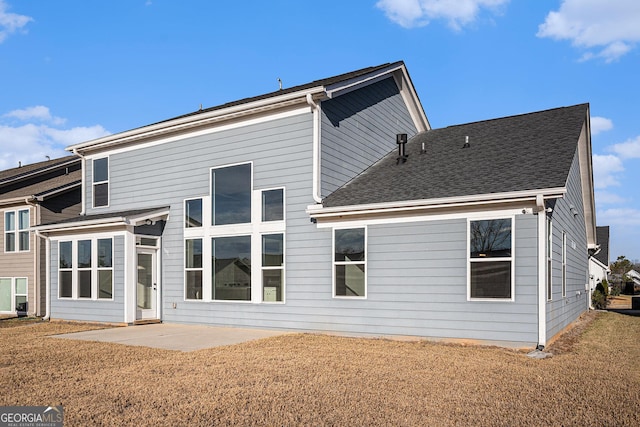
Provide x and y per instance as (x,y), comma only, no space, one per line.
(598,299)
(605,287)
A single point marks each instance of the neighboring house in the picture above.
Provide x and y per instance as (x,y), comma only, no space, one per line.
(599,260)
(292,210)
(32,194)
(634,276)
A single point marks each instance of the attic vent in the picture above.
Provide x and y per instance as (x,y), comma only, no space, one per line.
(466,142)
(401,140)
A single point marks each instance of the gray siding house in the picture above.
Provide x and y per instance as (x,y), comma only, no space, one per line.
(292,210)
(32,194)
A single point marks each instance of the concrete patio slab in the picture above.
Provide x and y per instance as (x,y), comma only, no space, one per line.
(170,336)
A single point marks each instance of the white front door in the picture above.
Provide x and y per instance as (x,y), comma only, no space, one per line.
(147,285)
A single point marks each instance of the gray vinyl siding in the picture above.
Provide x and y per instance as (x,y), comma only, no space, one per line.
(110,311)
(358,129)
(562,311)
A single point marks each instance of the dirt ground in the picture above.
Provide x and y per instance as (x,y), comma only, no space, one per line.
(307,379)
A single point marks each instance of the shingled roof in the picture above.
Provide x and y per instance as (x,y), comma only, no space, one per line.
(602,238)
(524,152)
(40,179)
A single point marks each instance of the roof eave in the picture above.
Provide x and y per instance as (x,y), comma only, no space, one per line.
(205,118)
(318,212)
(114,221)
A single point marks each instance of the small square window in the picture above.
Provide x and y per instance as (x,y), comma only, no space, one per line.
(273,205)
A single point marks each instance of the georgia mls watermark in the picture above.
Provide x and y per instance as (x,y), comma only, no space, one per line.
(31,416)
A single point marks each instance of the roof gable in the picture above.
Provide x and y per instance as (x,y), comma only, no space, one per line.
(301,96)
(525,152)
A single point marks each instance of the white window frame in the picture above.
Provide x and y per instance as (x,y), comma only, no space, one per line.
(94,182)
(255,229)
(15,294)
(16,231)
(281,267)
(564,264)
(75,269)
(335,263)
(511,259)
(284,198)
(201,269)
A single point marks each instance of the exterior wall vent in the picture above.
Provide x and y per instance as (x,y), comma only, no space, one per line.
(401,140)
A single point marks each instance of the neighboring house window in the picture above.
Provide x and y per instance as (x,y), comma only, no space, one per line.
(193,213)
(272,267)
(16,231)
(491,259)
(193,268)
(564,264)
(101,182)
(231,195)
(549,259)
(223,232)
(273,205)
(85,269)
(349,262)
(13,294)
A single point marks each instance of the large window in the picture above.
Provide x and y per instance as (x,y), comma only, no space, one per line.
(231,267)
(490,259)
(85,269)
(231,195)
(101,182)
(16,231)
(13,294)
(234,240)
(349,262)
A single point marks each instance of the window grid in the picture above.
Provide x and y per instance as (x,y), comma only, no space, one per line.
(16,226)
(350,262)
(101,182)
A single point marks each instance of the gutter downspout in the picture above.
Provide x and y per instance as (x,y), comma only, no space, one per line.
(36,252)
(542,277)
(47,313)
(82,185)
(315,108)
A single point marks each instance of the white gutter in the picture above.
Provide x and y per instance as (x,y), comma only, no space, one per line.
(82,180)
(448,202)
(47,312)
(315,108)
(542,277)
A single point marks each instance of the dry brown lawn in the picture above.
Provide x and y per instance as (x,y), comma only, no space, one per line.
(319,380)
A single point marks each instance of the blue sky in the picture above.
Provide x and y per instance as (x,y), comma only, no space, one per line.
(76,70)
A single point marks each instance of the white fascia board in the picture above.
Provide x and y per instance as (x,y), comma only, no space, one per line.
(195,120)
(319,212)
(17,200)
(404,83)
(586,178)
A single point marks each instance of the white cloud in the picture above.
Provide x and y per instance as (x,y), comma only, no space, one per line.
(605,168)
(417,13)
(619,216)
(610,27)
(32,142)
(39,112)
(600,124)
(629,149)
(11,22)
(607,198)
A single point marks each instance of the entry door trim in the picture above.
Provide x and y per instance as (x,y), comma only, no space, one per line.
(153,311)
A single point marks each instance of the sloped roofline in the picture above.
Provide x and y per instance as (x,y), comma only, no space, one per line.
(319,90)
(30,171)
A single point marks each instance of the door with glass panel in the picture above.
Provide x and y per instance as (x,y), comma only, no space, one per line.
(146,285)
